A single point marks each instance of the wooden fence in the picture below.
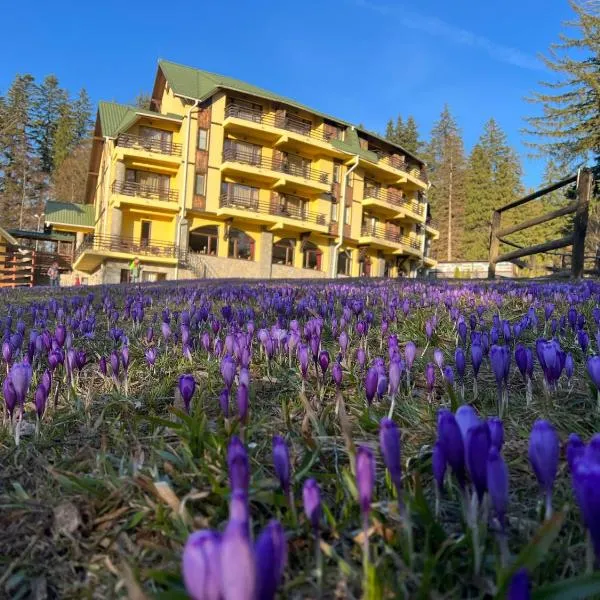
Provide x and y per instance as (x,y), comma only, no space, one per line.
(17,267)
(584,180)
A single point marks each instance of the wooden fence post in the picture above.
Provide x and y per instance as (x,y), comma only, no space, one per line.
(494,243)
(580,221)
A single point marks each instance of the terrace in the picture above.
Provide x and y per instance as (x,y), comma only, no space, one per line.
(147,195)
(392,202)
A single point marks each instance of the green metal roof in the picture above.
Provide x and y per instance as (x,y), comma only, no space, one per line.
(41,235)
(115,118)
(197,84)
(67,213)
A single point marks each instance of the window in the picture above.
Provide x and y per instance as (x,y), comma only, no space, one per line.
(243,152)
(200,184)
(296,165)
(156,139)
(238,195)
(336,173)
(202,139)
(145,233)
(312,257)
(293,206)
(146,184)
(124,276)
(241,245)
(334,212)
(283,252)
(244,110)
(205,240)
(344,265)
(348,215)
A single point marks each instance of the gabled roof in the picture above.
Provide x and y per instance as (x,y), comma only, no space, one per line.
(199,85)
(115,118)
(9,238)
(67,213)
(41,235)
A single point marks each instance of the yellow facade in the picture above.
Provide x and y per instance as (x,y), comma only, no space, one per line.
(238,182)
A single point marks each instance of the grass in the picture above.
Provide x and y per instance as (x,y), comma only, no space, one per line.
(100,504)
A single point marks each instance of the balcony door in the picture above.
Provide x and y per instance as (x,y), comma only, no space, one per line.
(243,152)
(145,233)
(293,206)
(297,165)
(156,138)
(370,223)
(144,182)
(238,195)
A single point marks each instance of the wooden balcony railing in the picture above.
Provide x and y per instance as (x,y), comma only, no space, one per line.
(380,231)
(374,191)
(286,122)
(432,224)
(150,144)
(133,188)
(127,245)
(279,210)
(396,162)
(281,165)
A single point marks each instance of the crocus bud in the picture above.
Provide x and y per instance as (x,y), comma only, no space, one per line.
(460,362)
(544,448)
(593,368)
(365,478)
(519,586)
(224,402)
(324,360)
(476,358)
(271,557)
(343,340)
(151,356)
(187,387)
(477,451)
(20,375)
(238,583)
(410,353)
(10,396)
(569,365)
(115,363)
(337,373)
(237,463)
(451,441)
(242,402)
(371,381)
(449,375)
(228,371)
(238,508)
(496,432)
(60,335)
(438,358)
(102,366)
(39,398)
(311,496)
(361,357)
(7,352)
(389,442)
(201,565)
(497,483)
(303,359)
(575,449)
(281,462)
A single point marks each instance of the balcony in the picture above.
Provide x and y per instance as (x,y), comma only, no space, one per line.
(275,128)
(277,172)
(279,215)
(432,228)
(393,169)
(148,195)
(90,253)
(392,203)
(380,235)
(148,144)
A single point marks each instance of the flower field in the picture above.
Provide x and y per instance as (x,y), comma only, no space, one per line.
(238,441)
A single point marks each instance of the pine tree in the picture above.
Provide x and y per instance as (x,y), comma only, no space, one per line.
(409,138)
(19,180)
(569,126)
(390,131)
(399,130)
(48,105)
(70,177)
(82,115)
(446,166)
(493,180)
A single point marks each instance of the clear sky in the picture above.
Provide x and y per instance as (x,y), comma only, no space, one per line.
(361,60)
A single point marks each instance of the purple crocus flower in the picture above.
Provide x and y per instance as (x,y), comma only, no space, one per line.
(519,587)
(569,365)
(449,375)
(496,432)
(410,353)
(281,462)
(40,397)
(365,478)
(224,402)
(242,402)
(271,557)
(201,565)
(460,362)
(7,352)
(361,357)
(115,363)
(337,373)
(303,359)
(575,449)
(438,465)
(60,335)
(10,396)
(324,360)
(451,441)
(438,358)
(389,442)
(228,371)
(20,375)
(476,358)
(544,449)
(237,583)
(102,367)
(151,356)
(477,450)
(187,387)
(343,341)
(395,375)
(593,369)
(584,340)
(311,496)
(237,464)
(371,381)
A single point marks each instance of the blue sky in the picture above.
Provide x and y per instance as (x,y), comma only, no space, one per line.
(362,60)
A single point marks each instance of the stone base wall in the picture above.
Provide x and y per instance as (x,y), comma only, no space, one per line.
(285,272)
